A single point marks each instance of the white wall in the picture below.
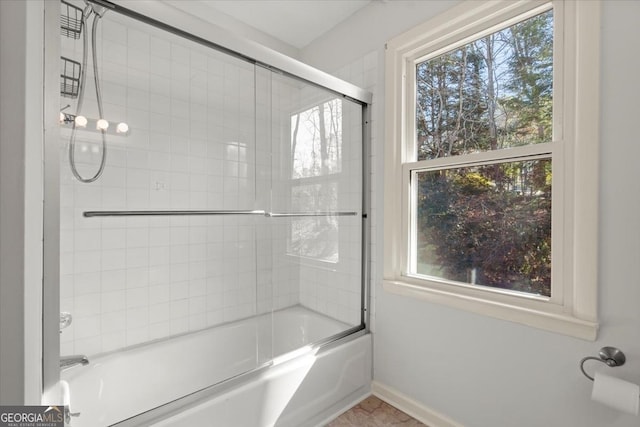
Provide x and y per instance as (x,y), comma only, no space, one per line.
(230,24)
(481,371)
(368,29)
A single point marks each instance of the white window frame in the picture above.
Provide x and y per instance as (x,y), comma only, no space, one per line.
(572,307)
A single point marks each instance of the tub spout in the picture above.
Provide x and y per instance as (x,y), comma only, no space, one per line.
(76,359)
(68,414)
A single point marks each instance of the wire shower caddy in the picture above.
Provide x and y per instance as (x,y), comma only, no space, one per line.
(71,27)
(70,20)
(69,77)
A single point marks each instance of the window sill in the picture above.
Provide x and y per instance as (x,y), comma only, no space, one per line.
(561,323)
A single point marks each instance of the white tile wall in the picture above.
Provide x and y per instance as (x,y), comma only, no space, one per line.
(192,146)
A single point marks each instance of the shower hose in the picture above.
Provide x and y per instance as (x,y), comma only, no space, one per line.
(88,11)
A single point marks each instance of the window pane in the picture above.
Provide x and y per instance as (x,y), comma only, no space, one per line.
(485,225)
(317,236)
(493,93)
(316,140)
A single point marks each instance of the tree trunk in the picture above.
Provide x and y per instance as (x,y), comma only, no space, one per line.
(294,143)
(463,76)
(324,154)
(491,107)
(491,94)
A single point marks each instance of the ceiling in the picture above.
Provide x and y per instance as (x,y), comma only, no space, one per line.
(295,22)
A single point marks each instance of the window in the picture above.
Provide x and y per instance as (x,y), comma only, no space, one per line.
(316,164)
(491,155)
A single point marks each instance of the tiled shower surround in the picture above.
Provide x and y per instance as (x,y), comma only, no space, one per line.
(207,131)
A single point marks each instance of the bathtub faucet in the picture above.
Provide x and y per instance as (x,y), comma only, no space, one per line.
(68,414)
(76,359)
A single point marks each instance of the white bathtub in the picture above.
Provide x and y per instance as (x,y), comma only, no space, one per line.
(121,385)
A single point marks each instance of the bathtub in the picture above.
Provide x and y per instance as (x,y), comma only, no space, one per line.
(287,382)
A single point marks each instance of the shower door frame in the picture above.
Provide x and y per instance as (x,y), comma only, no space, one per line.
(253,53)
(51,209)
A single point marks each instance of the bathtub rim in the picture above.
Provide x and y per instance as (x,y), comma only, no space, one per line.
(183,403)
(99,356)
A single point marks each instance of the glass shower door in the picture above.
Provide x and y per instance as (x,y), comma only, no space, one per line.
(225,231)
(316,213)
(158,255)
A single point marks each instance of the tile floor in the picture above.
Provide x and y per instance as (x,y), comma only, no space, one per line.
(373,412)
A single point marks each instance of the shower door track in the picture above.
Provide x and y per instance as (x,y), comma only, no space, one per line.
(258,55)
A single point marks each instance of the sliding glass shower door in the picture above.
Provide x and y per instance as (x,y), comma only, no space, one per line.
(225,230)
(317,175)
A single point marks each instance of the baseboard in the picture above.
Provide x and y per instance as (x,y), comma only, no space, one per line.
(411,407)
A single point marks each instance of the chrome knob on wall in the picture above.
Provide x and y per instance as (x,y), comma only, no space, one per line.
(65,320)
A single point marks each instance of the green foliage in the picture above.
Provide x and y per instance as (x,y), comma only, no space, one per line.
(472,183)
(468,223)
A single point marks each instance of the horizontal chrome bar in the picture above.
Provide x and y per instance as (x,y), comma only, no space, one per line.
(305,214)
(90,214)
